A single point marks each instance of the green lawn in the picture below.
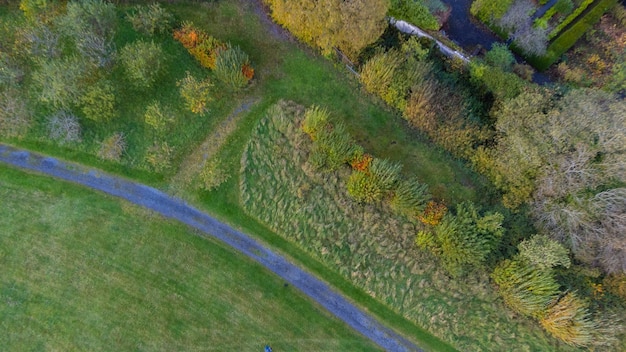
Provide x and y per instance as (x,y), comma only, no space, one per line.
(84,271)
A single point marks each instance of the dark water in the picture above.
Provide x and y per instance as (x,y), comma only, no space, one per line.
(462,29)
(473,36)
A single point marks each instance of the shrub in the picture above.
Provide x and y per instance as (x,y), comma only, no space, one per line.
(488,11)
(465,240)
(42,41)
(10,73)
(213,174)
(433,213)
(112,147)
(377,73)
(195,93)
(98,50)
(61,81)
(143,62)
(564,7)
(64,127)
(414,12)
(15,117)
(97,17)
(157,117)
(361,162)
(569,320)
(337,146)
(525,288)
(229,67)
(385,173)
(315,120)
(150,19)
(524,71)
(98,102)
(207,50)
(500,56)
(565,39)
(200,45)
(231,64)
(582,7)
(363,188)
(410,198)
(187,35)
(159,156)
(616,284)
(503,85)
(543,252)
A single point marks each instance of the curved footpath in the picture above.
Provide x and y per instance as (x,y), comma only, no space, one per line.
(174,208)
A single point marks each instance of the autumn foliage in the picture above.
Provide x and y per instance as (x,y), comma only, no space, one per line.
(361,162)
(206,48)
(433,213)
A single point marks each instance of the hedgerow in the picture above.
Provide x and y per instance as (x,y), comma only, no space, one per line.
(230,63)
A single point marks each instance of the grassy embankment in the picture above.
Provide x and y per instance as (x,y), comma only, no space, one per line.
(89,272)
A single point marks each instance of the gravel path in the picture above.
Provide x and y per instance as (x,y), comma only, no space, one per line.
(174,208)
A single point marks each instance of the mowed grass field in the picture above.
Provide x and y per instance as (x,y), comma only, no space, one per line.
(84,271)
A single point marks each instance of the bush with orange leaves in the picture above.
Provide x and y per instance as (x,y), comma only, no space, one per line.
(361,162)
(206,48)
(433,213)
(200,45)
(187,35)
(247,71)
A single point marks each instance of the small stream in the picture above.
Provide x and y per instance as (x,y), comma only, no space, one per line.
(472,35)
(464,30)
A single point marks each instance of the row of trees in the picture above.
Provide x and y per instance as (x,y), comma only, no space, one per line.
(372,180)
(463,239)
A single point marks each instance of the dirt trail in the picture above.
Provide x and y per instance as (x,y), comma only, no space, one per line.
(194,162)
(177,209)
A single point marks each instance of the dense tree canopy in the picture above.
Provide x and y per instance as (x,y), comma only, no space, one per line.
(349,25)
(567,157)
